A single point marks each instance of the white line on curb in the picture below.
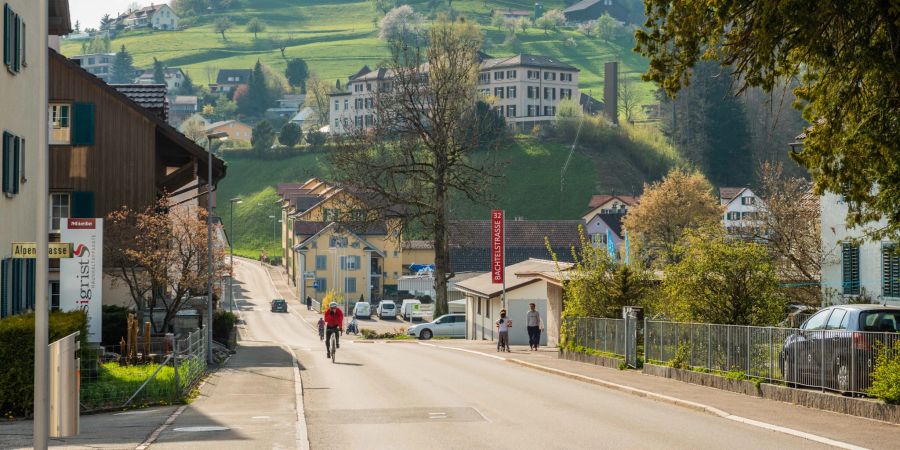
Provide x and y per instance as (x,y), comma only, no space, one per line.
(155,434)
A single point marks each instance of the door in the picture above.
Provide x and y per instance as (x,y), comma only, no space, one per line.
(459,326)
(518,335)
(443,326)
(807,349)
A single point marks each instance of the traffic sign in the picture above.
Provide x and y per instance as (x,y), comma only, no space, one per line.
(309,275)
(28,250)
(316,284)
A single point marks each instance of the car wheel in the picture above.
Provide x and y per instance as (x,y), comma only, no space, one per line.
(841,376)
(425,334)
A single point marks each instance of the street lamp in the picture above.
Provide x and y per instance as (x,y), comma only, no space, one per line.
(209,271)
(234,201)
(275,222)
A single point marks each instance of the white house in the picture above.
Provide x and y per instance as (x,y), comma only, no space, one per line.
(159,17)
(98,64)
(305,117)
(606,212)
(742,208)
(869,267)
(174,76)
(524,285)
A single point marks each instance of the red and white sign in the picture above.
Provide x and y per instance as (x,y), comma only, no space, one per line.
(81,276)
(497,246)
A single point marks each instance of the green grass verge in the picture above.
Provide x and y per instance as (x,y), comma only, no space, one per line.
(115,383)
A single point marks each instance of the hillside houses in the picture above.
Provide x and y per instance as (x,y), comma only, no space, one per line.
(156,16)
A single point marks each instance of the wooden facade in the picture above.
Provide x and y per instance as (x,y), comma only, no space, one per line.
(133,156)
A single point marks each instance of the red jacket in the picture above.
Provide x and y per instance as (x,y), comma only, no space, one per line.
(334,320)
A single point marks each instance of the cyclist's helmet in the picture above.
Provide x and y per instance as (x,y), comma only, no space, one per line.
(332,305)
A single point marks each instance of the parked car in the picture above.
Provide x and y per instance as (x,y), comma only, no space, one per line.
(407,308)
(387,309)
(448,325)
(836,347)
(362,310)
(279,305)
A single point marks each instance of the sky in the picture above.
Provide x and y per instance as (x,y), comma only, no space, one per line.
(88,12)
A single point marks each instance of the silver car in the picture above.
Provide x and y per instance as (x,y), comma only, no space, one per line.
(449,325)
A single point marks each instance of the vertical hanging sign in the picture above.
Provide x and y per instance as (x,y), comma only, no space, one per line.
(81,277)
(497,246)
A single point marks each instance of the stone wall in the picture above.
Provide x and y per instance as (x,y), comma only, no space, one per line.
(598,360)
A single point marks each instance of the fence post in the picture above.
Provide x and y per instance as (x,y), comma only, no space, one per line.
(709,346)
(748,351)
(769,371)
(727,349)
(822,361)
(175,368)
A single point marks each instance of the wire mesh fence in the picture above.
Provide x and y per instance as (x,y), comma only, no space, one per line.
(827,359)
(599,334)
(158,371)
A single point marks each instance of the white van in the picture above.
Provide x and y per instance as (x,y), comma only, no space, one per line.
(362,310)
(387,309)
(406,309)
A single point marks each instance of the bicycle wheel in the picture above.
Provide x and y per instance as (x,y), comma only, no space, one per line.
(333,348)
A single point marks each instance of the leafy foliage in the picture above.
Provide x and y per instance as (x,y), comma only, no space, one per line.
(123,67)
(551,20)
(402,24)
(721,280)
(290,135)
(263,137)
(256,26)
(297,72)
(159,74)
(886,374)
(221,25)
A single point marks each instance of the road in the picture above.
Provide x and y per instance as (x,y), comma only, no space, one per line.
(408,395)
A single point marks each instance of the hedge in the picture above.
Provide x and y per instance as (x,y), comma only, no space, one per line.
(223,323)
(17,354)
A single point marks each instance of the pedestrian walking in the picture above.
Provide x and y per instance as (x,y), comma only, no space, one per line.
(503,325)
(308,303)
(535,326)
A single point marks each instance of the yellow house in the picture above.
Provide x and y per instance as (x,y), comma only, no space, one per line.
(417,252)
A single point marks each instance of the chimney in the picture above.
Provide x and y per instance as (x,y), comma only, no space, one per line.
(611,91)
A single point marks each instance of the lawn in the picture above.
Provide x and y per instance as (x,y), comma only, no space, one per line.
(336,38)
(114,384)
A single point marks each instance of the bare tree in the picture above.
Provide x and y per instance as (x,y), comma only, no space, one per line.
(418,155)
(628,97)
(317,97)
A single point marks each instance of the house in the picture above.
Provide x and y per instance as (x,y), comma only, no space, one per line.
(229,79)
(181,107)
(98,64)
(590,105)
(587,10)
(306,118)
(24,163)
(856,265)
(524,89)
(291,101)
(470,243)
(158,17)
(615,203)
(418,252)
(605,213)
(742,208)
(513,14)
(527,282)
(237,131)
(151,97)
(174,76)
(106,151)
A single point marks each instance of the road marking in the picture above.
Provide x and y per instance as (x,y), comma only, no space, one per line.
(131,413)
(155,434)
(260,417)
(200,429)
(302,433)
(465,350)
(437,415)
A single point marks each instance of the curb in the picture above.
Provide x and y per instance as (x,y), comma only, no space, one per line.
(302,438)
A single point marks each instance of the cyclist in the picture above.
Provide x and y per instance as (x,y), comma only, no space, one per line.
(321,326)
(334,323)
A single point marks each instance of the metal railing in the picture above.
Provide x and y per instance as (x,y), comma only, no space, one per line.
(595,333)
(827,359)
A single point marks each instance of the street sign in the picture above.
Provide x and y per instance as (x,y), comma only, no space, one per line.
(309,275)
(28,250)
(316,284)
(497,247)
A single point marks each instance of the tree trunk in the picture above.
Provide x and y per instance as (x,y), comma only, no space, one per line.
(441,251)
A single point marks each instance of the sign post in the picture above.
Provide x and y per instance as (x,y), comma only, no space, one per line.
(498,251)
(81,276)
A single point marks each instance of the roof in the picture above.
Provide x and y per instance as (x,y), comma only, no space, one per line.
(184,99)
(281,188)
(528,61)
(613,221)
(304,228)
(598,200)
(374,75)
(582,5)
(519,233)
(729,193)
(340,229)
(483,285)
(221,123)
(151,97)
(362,71)
(58,19)
(303,114)
(224,74)
(418,245)
(183,142)
(513,12)
(590,104)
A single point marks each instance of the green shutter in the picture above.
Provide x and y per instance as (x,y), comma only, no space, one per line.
(7,54)
(850,269)
(82,205)
(17,286)
(83,124)
(7,158)
(890,266)
(30,281)
(17,43)
(5,295)
(17,155)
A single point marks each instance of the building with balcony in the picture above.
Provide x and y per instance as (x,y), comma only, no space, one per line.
(97,64)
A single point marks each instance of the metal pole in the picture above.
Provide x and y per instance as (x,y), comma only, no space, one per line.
(209,299)
(231,270)
(42,307)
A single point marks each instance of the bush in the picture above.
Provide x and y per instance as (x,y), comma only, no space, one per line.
(17,354)
(115,324)
(886,374)
(681,358)
(223,323)
(315,138)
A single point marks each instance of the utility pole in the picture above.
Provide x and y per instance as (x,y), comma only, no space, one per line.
(234,201)
(209,255)
(41,432)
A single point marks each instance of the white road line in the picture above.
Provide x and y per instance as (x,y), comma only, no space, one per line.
(465,350)
(302,437)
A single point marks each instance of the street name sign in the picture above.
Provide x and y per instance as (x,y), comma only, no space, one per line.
(28,250)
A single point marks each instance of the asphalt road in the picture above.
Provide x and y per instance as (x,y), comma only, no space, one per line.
(406,395)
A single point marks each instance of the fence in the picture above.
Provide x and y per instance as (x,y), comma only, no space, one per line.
(160,372)
(603,335)
(826,359)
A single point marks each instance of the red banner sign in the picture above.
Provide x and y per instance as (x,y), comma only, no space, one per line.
(497,246)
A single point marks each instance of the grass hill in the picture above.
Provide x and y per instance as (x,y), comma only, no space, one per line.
(337,37)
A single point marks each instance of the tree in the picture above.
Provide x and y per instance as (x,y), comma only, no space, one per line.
(337,85)
(77,27)
(523,24)
(607,27)
(160,254)
(721,280)
(681,201)
(221,25)
(194,127)
(105,22)
(588,28)
(98,44)
(187,85)
(418,155)
(317,98)
(122,69)
(257,97)
(847,57)
(385,5)
(316,138)
(402,24)
(297,72)
(159,74)
(255,26)
(290,135)
(263,138)
(628,98)
(551,20)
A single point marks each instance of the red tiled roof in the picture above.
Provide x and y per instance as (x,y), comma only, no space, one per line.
(728,193)
(598,200)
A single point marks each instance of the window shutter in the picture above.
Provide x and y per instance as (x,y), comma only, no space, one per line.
(16,174)
(83,124)
(30,266)
(7,50)
(82,205)
(5,294)
(22,176)
(17,45)
(850,268)
(18,285)
(890,267)
(7,163)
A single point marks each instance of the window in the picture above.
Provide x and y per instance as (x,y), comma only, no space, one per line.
(549,93)
(748,200)
(358,121)
(17,278)
(511,74)
(479,306)
(60,125)
(368,87)
(817,322)
(498,75)
(534,75)
(837,318)
(350,285)
(484,78)
(59,210)
(498,92)
(733,215)
(337,105)
(550,76)
(82,124)
(12,163)
(511,92)
(882,321)
(337,242)
(565,93)
(530,92)
(322,285)
(511,111)
(54,296)
(370,120)
(850,269)
(531,109)
(337,123)
(321,262)
(890,270)
(13,40)
(565,76)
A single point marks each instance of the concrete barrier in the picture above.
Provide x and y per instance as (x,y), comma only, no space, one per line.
(598,360)
(860,407)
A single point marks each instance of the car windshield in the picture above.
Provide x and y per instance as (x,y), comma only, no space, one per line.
(882,321)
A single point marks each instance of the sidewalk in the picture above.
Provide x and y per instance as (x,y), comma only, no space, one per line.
(840,427)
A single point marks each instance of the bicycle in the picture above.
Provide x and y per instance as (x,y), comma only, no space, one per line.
(332,345)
